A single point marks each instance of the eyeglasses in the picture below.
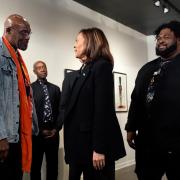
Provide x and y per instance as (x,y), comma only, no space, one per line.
(23,32)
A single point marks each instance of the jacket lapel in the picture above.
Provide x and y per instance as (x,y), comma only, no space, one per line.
(39,91)
(77,87)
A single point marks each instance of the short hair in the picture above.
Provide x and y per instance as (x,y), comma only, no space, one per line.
(96,44)
(172,25)
(39,61)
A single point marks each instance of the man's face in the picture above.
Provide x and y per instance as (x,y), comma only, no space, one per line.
(40,70)
(20,35)
(166,45)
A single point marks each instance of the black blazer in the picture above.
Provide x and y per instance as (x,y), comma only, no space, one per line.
(159,124)
(67,86)
(90,122)
(54,94)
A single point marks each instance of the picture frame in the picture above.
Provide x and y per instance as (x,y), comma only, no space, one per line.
(120,92)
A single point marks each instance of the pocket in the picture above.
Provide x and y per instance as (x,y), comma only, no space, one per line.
(6,69)
(8,75)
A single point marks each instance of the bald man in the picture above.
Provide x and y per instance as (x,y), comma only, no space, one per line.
(15,100)
(47,100)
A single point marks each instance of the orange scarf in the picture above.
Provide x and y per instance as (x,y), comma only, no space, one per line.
(25,108)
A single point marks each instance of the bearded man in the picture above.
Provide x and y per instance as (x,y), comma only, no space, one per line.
(153,124)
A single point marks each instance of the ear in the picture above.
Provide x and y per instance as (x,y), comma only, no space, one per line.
(8,30)
(34,71)
(178,41)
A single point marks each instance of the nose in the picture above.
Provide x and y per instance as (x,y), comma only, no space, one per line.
(43,68)
(75,44)
(27,36)
(161,40)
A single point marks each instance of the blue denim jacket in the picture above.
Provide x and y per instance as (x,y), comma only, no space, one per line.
(9,97)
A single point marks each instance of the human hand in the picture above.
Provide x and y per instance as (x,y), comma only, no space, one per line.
(131,135)
(45,132)
(98,161)
(4,148)
(49,133)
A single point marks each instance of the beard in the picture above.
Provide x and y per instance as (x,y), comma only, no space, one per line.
(167,52)
(22,45)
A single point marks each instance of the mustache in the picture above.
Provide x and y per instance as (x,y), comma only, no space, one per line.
(165,53)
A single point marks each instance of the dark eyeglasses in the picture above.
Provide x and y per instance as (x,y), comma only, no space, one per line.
(23,32)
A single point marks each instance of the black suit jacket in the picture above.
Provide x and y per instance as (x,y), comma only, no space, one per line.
(55,95)
(158,126)
(90,122)
(67,87)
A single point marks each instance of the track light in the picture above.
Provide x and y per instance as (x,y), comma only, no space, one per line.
(166,5)
(157,3)
(165,9)
(163,4)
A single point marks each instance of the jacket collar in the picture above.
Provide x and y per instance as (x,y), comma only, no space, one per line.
(78,85)
(44,81)
(5,51)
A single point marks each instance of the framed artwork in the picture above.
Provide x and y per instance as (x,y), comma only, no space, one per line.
(66,71)
(120,92)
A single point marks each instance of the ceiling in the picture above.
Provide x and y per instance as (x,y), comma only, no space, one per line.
(140,15)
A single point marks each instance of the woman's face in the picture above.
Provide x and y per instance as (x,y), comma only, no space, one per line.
(79,47)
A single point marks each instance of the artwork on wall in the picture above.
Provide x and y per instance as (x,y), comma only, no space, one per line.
(120,92)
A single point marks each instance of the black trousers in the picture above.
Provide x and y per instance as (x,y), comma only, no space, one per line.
(50,147)
(153,164)
(89,173)
(11,167)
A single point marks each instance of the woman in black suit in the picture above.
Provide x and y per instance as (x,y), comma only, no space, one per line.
(92,136)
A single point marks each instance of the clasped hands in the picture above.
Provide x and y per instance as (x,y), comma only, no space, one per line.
(98,161)
(49,133)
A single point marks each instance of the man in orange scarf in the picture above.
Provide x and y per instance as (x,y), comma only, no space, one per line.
(15,101)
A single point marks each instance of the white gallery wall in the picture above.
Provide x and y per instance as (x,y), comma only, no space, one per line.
(151,44)
(55,24)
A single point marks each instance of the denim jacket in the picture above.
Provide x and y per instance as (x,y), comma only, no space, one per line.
(9,97)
